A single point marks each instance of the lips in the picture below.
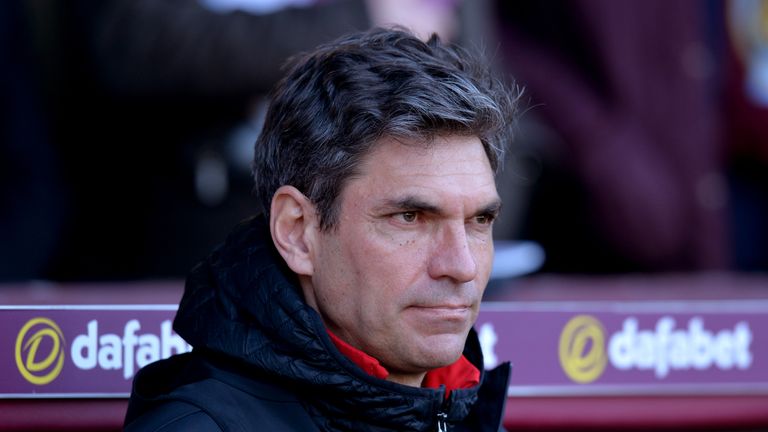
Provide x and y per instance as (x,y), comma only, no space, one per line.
(444,306)
(448,305)
(443,313)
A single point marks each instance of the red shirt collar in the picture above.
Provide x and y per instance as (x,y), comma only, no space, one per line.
(460,374)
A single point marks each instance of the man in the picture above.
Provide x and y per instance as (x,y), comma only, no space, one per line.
(348,305)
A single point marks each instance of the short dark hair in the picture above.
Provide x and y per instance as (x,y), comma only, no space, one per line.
(337,101)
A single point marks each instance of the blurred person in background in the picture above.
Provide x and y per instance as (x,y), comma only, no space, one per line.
(132,122)
(746,119)
(644,165)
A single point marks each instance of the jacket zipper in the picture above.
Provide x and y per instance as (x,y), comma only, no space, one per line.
(442,422)
(442,411)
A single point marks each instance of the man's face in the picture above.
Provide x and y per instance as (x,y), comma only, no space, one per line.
(402,274)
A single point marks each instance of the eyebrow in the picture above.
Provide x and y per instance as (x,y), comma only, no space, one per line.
(418,204)
(493,208)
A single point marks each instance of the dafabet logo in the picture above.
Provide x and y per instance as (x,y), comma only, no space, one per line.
(584,353)
(582,349)
(39,351)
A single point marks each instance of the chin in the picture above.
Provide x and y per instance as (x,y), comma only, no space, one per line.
(443,350)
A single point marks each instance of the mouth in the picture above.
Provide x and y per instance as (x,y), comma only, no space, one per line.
(443,312)
(458,304)
(439,319)
(446,307)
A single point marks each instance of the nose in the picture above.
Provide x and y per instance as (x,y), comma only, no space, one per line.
(452,256)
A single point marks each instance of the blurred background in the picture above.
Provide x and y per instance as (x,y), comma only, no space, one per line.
(639,168)
(127,127)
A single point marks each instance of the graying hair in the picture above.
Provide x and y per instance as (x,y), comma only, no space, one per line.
(337,101)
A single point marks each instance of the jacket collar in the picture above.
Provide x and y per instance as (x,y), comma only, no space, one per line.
(460,374)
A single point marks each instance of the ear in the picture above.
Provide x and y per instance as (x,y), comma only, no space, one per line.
(292,223)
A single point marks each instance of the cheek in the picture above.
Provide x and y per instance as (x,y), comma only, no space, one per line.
(352,271)
(334,276)
(391,274)
(482,250)
(397,262)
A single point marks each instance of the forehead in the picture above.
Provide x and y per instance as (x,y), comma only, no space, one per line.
(451,166)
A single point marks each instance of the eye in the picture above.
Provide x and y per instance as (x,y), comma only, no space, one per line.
(408,216)
(485,219)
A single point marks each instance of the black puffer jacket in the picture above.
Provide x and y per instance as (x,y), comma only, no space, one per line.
(263,361)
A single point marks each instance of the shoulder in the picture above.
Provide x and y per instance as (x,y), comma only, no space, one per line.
(200,392)
(212,405)
(174,416)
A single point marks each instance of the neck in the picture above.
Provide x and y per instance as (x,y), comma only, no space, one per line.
(413,380)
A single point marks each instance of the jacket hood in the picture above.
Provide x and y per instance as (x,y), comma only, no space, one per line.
(244,302)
